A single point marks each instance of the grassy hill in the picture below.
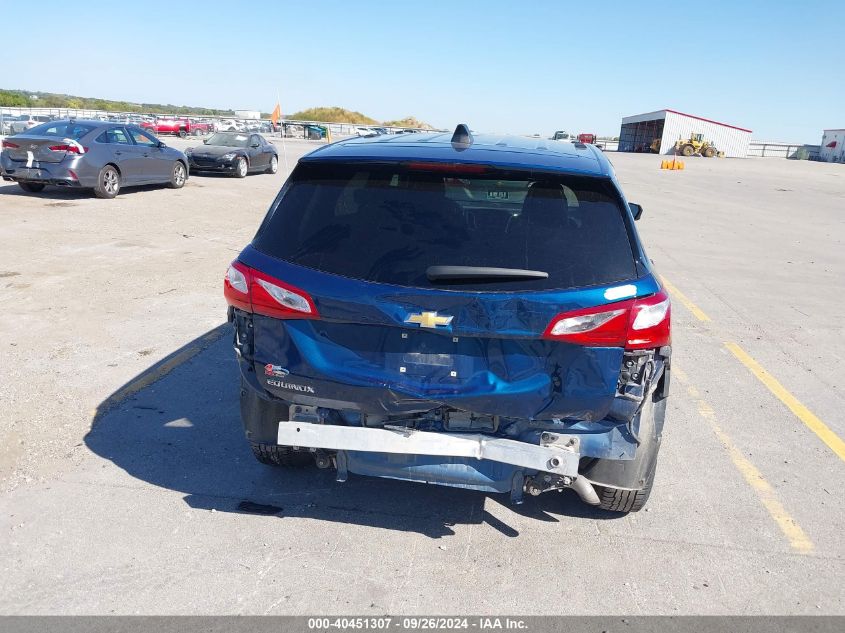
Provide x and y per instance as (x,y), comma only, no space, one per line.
(409,121)
(342,115)
(332,115)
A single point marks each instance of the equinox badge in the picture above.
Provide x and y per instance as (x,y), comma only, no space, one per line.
(428,319)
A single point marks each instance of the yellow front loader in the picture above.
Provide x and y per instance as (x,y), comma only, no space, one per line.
(695,145)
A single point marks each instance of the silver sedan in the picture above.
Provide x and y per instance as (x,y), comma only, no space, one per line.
(90,154)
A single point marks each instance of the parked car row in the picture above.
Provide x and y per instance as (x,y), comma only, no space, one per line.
(107,156)
(21,123)
(183,126)
(377,131)
(161,124)
(187,126)
(246,125)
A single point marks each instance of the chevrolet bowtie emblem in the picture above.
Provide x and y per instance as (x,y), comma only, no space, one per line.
(428,319)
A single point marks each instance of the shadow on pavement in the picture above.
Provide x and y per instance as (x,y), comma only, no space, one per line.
(53,192)
(177,426)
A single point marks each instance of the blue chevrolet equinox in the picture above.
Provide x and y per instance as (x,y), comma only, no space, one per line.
(464,310)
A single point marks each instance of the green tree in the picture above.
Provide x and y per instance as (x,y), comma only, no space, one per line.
(14,99)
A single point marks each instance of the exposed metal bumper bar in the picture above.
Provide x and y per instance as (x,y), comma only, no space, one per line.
(556,459)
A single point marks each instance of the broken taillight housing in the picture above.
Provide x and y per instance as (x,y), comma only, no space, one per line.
(632,324)
(254,291)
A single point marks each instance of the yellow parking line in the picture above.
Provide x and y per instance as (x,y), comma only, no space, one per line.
(825,434)
(797,538)
(697,312)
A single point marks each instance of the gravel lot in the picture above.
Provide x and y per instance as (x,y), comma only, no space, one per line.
(139,512)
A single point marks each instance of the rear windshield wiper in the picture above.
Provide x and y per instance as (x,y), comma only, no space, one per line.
(463,273)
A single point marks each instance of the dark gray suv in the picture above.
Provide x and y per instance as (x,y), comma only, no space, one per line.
(93,154)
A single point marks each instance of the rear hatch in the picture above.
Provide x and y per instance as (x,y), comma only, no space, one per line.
(47,143)
(436,284)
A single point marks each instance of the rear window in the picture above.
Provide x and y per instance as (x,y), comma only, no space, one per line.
(63,129)
(390,223)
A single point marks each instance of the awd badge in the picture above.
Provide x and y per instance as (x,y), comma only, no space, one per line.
(277,371)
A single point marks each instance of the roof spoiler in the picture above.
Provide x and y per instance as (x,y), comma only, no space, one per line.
(461,139)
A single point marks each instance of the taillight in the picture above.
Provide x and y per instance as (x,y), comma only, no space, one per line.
(254,291)
(236,286)
(632,324)
(73,149)
(10,145)
(651,324)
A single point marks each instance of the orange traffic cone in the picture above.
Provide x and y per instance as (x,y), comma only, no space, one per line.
(672,165)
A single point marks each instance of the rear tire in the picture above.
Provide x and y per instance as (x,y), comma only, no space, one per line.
(624,501)
(31,187)
(275,455)
(182,133)
(108,182)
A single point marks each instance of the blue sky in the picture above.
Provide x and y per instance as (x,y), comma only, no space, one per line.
(501,66)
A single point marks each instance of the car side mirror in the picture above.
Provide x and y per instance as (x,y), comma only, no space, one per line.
(161,145)
(636,210)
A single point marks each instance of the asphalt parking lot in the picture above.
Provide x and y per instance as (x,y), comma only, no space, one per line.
(125,474)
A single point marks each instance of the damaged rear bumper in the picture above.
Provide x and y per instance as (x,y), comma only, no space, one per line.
(464,460)
(556,454)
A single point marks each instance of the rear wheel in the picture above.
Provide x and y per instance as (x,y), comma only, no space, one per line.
(687,150)
(617,500)
(108,182)
(275,455)
(183,133)
(31,187)
(241,168)
(178,176)
(274,165)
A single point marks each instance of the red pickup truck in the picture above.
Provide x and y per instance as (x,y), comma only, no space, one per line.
(589,138)
(181,127)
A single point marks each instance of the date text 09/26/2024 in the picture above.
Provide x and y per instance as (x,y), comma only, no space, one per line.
(416,623)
